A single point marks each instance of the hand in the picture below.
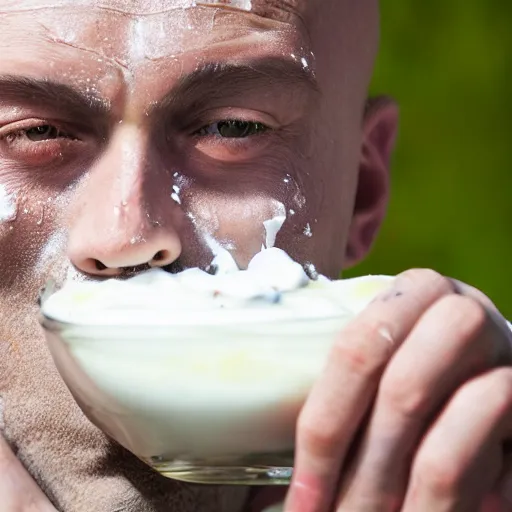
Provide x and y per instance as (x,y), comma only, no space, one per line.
(18,492)
(414,409)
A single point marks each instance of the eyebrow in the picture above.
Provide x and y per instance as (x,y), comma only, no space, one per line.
(217,81)
(75,103)
(210,82)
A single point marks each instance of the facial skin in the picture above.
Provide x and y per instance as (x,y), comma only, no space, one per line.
(108,106)
(136,132)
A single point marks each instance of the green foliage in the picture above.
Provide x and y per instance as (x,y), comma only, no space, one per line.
(449,66)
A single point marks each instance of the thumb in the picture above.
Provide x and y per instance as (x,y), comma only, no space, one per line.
(17,488)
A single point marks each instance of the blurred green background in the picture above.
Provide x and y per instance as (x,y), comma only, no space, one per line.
(449,65)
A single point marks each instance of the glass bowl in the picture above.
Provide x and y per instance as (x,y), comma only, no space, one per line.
(203,401)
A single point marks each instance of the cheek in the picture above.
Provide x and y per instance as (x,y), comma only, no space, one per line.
(32,242)
(237,223)
(240,207)
(246,223)
(273,203)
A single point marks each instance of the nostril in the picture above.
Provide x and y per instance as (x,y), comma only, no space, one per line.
(160,259)
(94,267)
(99,265)
(159,256)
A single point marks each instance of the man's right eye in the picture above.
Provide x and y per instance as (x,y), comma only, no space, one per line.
(39,133)
(37,142)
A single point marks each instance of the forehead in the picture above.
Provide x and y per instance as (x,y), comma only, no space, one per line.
(285,11)
(155,6)
(134,34)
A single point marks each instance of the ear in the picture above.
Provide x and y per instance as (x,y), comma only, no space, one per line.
(373,185)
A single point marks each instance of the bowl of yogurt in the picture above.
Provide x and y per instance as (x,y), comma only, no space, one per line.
(202,375)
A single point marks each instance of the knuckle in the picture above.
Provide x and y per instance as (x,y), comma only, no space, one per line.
(468,314)
(504,378)
(440,473)
(365,347)
(423,276)
(317,438)
(493,391)
(398,393)
(498,394)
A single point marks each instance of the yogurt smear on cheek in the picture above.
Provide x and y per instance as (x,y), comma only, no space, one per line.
(8,208)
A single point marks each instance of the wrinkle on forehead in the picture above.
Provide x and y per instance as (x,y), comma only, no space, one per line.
(281,10)
(140,39)
(127,7)
(151,30)
(141,32)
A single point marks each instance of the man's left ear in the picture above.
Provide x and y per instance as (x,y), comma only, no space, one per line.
(373,186)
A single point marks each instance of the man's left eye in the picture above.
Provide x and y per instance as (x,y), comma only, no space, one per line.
(233,129)
(43,132)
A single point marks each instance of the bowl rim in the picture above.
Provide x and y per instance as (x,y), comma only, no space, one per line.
(215,318)
(55,325)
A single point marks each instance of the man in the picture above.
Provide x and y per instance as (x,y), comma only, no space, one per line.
(135,134)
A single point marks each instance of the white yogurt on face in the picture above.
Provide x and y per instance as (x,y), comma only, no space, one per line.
(198,365)
(7,205)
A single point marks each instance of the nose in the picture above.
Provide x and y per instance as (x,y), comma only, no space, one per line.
(151,249)
(125,219)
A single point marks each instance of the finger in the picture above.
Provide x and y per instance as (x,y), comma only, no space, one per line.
(461,457)
(340,398)
(18,491)
(454,340)
(501,323)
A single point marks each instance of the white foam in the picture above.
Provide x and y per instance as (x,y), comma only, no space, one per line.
(274,287)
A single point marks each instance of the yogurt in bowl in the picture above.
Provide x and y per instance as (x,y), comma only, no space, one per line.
(202,376)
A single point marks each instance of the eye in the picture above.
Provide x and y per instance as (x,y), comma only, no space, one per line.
(233,129)
(38,142)
(39,133)
(43,132)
